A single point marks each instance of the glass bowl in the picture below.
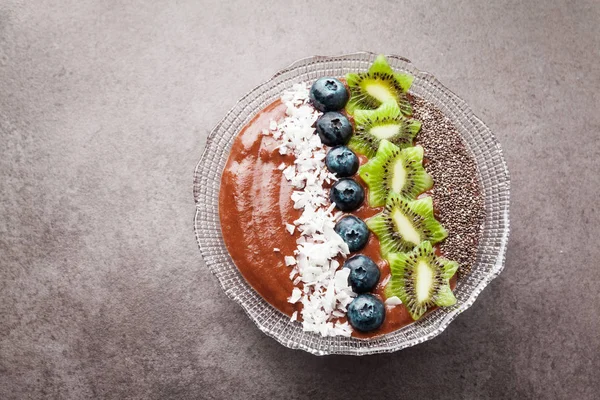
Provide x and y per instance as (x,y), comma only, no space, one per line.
(493,175)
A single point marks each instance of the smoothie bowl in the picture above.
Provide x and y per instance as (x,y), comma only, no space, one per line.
(352,205)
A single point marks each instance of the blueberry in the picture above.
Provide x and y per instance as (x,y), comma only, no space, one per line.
(342,161)
(328,94)
(347,194)
(353,231)
(364,273)
(366,313)
(334,128)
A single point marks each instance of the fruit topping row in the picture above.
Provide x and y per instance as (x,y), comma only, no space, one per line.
(406,227)
(366,312)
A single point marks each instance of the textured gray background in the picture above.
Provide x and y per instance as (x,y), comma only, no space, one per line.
(104,112)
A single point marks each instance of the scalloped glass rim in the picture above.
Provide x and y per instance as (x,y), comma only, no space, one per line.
(493,175)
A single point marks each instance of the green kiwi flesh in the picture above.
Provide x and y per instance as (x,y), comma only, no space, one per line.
(368,90)
(395,171)
(420,279)
(404,224)
(383,123)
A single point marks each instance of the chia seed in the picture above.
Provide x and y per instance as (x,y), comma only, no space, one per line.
(457,194)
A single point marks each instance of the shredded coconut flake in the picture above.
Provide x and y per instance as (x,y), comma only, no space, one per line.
(296,293)
(290,228)
(276,250)
(289,261)
(325,292)
(393,301)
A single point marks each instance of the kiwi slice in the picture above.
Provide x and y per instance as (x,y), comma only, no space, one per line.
(383,123)
(368,90)
(395,170)
(404,224)
(421,279)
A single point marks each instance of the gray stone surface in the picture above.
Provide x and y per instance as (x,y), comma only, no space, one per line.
(104,111)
